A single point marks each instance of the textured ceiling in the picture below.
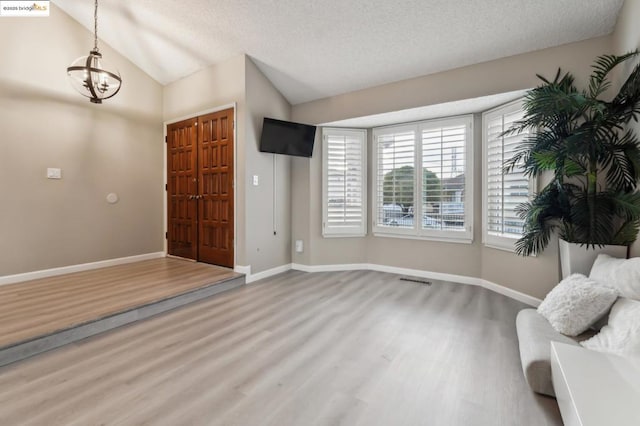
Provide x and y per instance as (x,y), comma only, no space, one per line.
(312,49)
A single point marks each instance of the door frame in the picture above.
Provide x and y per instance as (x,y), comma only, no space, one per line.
(235,173)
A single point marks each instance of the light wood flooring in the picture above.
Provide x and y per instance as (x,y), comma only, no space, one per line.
(41,307)
(348,348)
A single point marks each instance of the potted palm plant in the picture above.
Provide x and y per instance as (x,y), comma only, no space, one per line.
(582,143)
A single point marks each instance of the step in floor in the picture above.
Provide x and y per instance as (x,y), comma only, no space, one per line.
(40,315)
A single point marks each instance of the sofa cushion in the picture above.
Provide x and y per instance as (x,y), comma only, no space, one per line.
(535,335)
(576,303)
(622,334)
(620,274)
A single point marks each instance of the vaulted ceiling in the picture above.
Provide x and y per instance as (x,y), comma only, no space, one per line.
(312,49)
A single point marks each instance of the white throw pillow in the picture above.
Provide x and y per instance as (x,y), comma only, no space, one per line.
(621,274)
(576,303)
(622,334)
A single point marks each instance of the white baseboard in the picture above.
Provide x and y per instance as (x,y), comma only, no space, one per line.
(513,294)
(268,273)
(389,269)
(330,268)
(424,274)
(462,279)
(243,269)
(46,273)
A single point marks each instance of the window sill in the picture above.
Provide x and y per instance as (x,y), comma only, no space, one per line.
(354,235)
(510,249)
(455,240)
(507,245)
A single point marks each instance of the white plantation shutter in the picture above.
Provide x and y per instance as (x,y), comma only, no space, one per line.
(344,183)
(502,192)
(443,195)
(395,176)
(422,175)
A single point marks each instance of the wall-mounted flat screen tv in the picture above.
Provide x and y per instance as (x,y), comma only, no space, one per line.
(285,137)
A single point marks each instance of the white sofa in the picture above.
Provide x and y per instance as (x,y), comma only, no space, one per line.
(610,278)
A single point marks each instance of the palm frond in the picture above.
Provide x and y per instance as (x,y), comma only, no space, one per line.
(593,214)
(621,160)
(546,140)
(626,205)
(627,233)
(598,83)
(534,241)
(628,94)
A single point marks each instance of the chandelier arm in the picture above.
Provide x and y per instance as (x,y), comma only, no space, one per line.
(114,93)
(90,78)
(100,70)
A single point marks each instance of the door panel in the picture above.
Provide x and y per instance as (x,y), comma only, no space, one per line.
(181,188)
(215,177)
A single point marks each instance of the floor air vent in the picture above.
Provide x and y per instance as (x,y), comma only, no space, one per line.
(415,280)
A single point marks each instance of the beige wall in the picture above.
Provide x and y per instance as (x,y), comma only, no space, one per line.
(300,204)
(271,199)
(533,275)
(211,87)
(114,147)
(488,78)
(626,38)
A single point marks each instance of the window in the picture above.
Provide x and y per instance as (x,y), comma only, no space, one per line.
(344,162)
(422,180)
(502,192)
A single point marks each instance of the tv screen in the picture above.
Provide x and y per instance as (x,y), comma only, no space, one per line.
(285,137)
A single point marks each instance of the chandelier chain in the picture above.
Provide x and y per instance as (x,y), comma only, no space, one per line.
(95,26)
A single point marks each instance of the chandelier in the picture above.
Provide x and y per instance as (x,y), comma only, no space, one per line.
(89,75)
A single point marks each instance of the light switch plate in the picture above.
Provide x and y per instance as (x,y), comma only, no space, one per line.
(255,180)
(54,173)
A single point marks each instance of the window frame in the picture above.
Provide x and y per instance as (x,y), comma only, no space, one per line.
(417,232)
(343,232)
(500,242)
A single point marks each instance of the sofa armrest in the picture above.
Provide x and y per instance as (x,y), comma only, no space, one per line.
(535,335)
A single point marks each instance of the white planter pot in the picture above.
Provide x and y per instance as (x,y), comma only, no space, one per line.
(577,259)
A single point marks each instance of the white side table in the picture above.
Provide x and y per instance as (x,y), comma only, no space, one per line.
(594,388)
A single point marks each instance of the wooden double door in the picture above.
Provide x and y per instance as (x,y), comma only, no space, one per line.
(200,188)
